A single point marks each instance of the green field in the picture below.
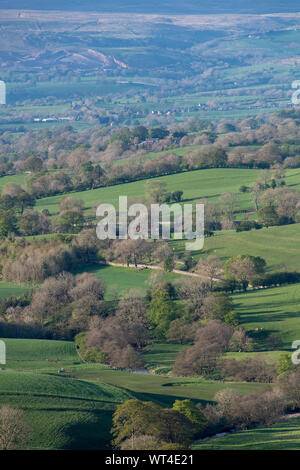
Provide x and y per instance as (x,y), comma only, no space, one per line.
(121,280)
(9,289)
(20,179)
(197,184)
(158,388)
(281,436)
(64,413)
(279,246)
(275,310)
(117,280)
(73,409)
(160,357)
(32,354)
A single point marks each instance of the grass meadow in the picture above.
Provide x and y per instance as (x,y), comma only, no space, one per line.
(280,436)
(279,246)
(73,409)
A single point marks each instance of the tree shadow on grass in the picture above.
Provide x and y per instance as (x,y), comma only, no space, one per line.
(165,401)
(91,435)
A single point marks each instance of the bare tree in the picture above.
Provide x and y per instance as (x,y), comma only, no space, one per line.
(14,429)
(210,267)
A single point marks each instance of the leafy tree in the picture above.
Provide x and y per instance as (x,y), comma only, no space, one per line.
(169,264)
(268,216)
(232,318)
(216,158)
(140,133)
(159,133)
(161,312)
(69,203)
(70,221)
(156,191)
(165,428)
(8,223)
(33,163)
(34,223)
(180,331)
(179,134)
(24,200)
(284,364)
(177,196)
(243,188)
(132,419)
(244,268)
(175,427)
(190,411)
(217,305)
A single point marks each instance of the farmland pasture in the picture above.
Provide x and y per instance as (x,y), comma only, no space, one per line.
(280,436)
(279,246)
(210,183)
(160,357)
(161,389)
(275,310)
(38,354)
(9,289)
(64,413)
(121,280)
(198,184)
(73,409)
(19,179)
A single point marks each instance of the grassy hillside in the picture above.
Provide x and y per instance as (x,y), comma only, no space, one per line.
(274,310)
(73,409)
(9,289)
(20,179)
(210,183)
(160,357)
(280,436)
(121,280)
(36,354)
(64,413)
(161,389)
(195,185)
(279,246)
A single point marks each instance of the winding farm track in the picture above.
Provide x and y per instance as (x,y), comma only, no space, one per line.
(155,266)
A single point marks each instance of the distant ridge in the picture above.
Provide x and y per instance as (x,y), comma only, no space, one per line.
(158,6)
